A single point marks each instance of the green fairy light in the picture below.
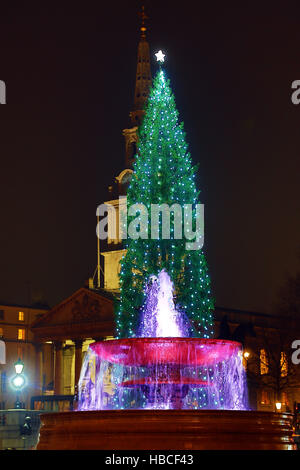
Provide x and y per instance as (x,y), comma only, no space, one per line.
(163,173)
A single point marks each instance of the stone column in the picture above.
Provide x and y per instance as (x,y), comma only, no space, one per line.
(78,359)
(58,379)
(38,379)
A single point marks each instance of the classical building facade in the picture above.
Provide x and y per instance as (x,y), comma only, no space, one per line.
(16,335)
(69,328)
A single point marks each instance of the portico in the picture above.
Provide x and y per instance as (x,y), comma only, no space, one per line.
(65,332)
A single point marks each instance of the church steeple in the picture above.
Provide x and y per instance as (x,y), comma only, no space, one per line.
(143,74)
(143,82)
(114,250)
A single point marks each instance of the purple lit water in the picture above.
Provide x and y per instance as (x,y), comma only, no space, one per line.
(159,317)
(162,368)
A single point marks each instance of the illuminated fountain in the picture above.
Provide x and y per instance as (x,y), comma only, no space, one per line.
(164,391)
(163,368)
(163,388)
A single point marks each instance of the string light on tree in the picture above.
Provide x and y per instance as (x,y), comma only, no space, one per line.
(163,174)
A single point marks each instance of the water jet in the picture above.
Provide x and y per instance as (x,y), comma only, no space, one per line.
(164,393)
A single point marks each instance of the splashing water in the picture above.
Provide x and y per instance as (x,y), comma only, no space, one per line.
(163,373)
(162,368)
(159,318)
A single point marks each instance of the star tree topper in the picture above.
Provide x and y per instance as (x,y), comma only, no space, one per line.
(160,57)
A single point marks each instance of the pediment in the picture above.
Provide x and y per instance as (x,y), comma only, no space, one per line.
(85,307)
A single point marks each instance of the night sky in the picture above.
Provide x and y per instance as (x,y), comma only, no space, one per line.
(70,72)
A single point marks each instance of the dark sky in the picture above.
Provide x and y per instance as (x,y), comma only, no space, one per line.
(70,70)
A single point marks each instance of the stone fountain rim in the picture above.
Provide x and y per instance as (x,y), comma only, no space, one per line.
(150,339)
(144,351)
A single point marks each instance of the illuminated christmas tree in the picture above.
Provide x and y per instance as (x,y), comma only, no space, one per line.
(163,174)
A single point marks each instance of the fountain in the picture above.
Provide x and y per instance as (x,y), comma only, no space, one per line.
(164,390)
(163,387)
(163,368)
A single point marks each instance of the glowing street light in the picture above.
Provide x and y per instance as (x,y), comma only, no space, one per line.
(19,366)
(246,356)
(18,381)
(278,406)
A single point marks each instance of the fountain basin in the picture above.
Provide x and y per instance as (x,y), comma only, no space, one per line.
(166,430)
(150,351)
(163,373)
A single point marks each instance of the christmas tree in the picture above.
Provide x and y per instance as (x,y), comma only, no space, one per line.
(163,174)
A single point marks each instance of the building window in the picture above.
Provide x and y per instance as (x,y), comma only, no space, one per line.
(264,363)
(21,334)
(265,398)
(21,316)
(1,314)
(283,365)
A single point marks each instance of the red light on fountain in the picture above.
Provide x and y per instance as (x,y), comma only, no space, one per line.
(150,351)
(151,371)
(166,360)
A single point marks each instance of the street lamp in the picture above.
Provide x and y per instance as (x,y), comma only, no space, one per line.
(245,359)
(18,381)
(278,406)
(19,366)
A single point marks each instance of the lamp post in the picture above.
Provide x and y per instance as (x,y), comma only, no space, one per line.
(278,406)
(19,366)
(246,356)
(18,381)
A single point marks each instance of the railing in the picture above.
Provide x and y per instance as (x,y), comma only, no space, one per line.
(52,403)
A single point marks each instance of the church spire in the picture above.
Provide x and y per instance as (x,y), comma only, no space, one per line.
(142,87)
(143,74)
